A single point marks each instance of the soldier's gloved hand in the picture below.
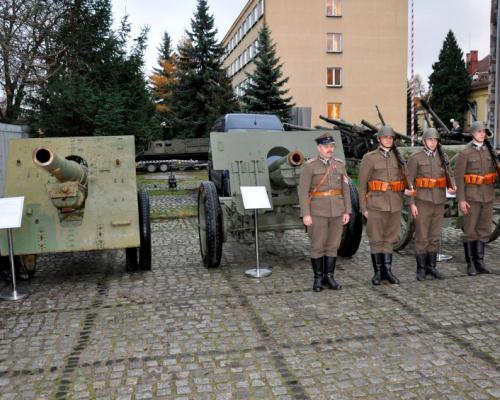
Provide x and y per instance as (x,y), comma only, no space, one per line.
(307,220)
(345,218)
(464,207)
(414,210)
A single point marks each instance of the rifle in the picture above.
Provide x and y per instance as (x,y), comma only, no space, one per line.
(380,115)
(447,168)
(494,156)
(402,167)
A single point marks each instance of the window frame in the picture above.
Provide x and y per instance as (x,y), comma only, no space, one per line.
(333,34)
(333,104)
(332,7)
(341,76)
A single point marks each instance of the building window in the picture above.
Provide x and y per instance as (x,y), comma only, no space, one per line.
(333,110)
(334,42)
(333,8)
(334,77)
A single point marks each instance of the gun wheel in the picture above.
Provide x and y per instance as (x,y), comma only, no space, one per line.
(209,224)
(144,249)
(23,272)
(407,229)
(351,237)
(495,222)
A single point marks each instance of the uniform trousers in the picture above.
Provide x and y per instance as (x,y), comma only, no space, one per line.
(325,234)
(428,226)
(383,229)
(477,223)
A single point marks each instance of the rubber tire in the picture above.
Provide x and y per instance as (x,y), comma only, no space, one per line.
(151,168)
(225,189)
(353,230)
(209,221)
(144,231)
(22,273)
(407,229)
(163,167)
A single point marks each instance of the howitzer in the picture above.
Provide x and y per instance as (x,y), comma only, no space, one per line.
(494,155)
(85,199)
(380,115)
(441,124)
(269,159)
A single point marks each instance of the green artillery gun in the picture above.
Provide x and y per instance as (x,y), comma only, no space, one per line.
(79,194)
(269,159)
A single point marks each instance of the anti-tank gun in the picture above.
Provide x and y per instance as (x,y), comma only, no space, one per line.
(80,194)
(261,158)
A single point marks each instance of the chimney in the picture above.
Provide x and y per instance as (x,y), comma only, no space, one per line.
(472,62)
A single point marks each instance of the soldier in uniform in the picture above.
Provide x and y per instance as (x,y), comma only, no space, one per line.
(426,171)
(475,174)
(325,206)
(380,189)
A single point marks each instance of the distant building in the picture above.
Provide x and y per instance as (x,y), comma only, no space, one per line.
(479,96)
(342,56)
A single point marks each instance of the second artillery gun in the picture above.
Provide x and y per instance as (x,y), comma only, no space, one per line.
(79,194)
(261,158)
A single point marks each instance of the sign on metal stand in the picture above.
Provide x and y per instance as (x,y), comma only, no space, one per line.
(255,198)
(11,215)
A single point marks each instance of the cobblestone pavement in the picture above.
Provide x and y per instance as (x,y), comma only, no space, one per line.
(92,330)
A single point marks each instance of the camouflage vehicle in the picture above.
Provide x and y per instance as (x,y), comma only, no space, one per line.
(261,158)
(79,194)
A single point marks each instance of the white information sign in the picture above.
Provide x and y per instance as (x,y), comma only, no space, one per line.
(11,212)
(254,197)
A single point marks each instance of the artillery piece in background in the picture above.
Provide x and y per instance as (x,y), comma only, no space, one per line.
(261,158)
(80,194)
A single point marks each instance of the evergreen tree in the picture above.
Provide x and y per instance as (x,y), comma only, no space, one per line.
(264,92)
(449,82)
(162,81)
(97,87)
(202,91)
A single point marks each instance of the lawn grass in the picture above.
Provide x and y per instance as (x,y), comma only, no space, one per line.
(178,212)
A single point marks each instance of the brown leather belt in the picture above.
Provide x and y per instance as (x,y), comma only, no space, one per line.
(327,193)
(430,183)
(383,186)
(487,179)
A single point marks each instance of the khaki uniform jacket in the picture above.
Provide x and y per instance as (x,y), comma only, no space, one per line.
(479,162)
(420,165)
(330,206)
(374,166)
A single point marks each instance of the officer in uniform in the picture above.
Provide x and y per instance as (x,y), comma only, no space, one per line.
(426,171)
(325,206)
(476,175)
(380,189)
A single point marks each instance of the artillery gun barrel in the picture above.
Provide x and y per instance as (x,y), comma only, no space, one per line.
(62,169)
(340,124)
(374,129)
(281,171)
(293,127)
(434,115)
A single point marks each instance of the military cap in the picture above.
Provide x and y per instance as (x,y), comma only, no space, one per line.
(386,130)
(325,138)
(430,133)
(476,127)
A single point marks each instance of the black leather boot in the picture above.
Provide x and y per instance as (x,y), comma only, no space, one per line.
(377,262)
(478,258)
(387,269)
(421,266)
(431,266)
(328,279)
(317,265)
(469,252)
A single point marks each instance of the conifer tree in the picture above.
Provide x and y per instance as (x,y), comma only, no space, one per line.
(265,89)
(98,87)
(162,81)
(449,82)
(200,83)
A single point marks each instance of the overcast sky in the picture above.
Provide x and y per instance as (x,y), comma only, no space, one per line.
(468,19)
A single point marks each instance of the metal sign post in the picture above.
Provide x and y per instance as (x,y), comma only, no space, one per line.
(255,197)
(11,212)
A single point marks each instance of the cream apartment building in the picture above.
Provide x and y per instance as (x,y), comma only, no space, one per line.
(342,57)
